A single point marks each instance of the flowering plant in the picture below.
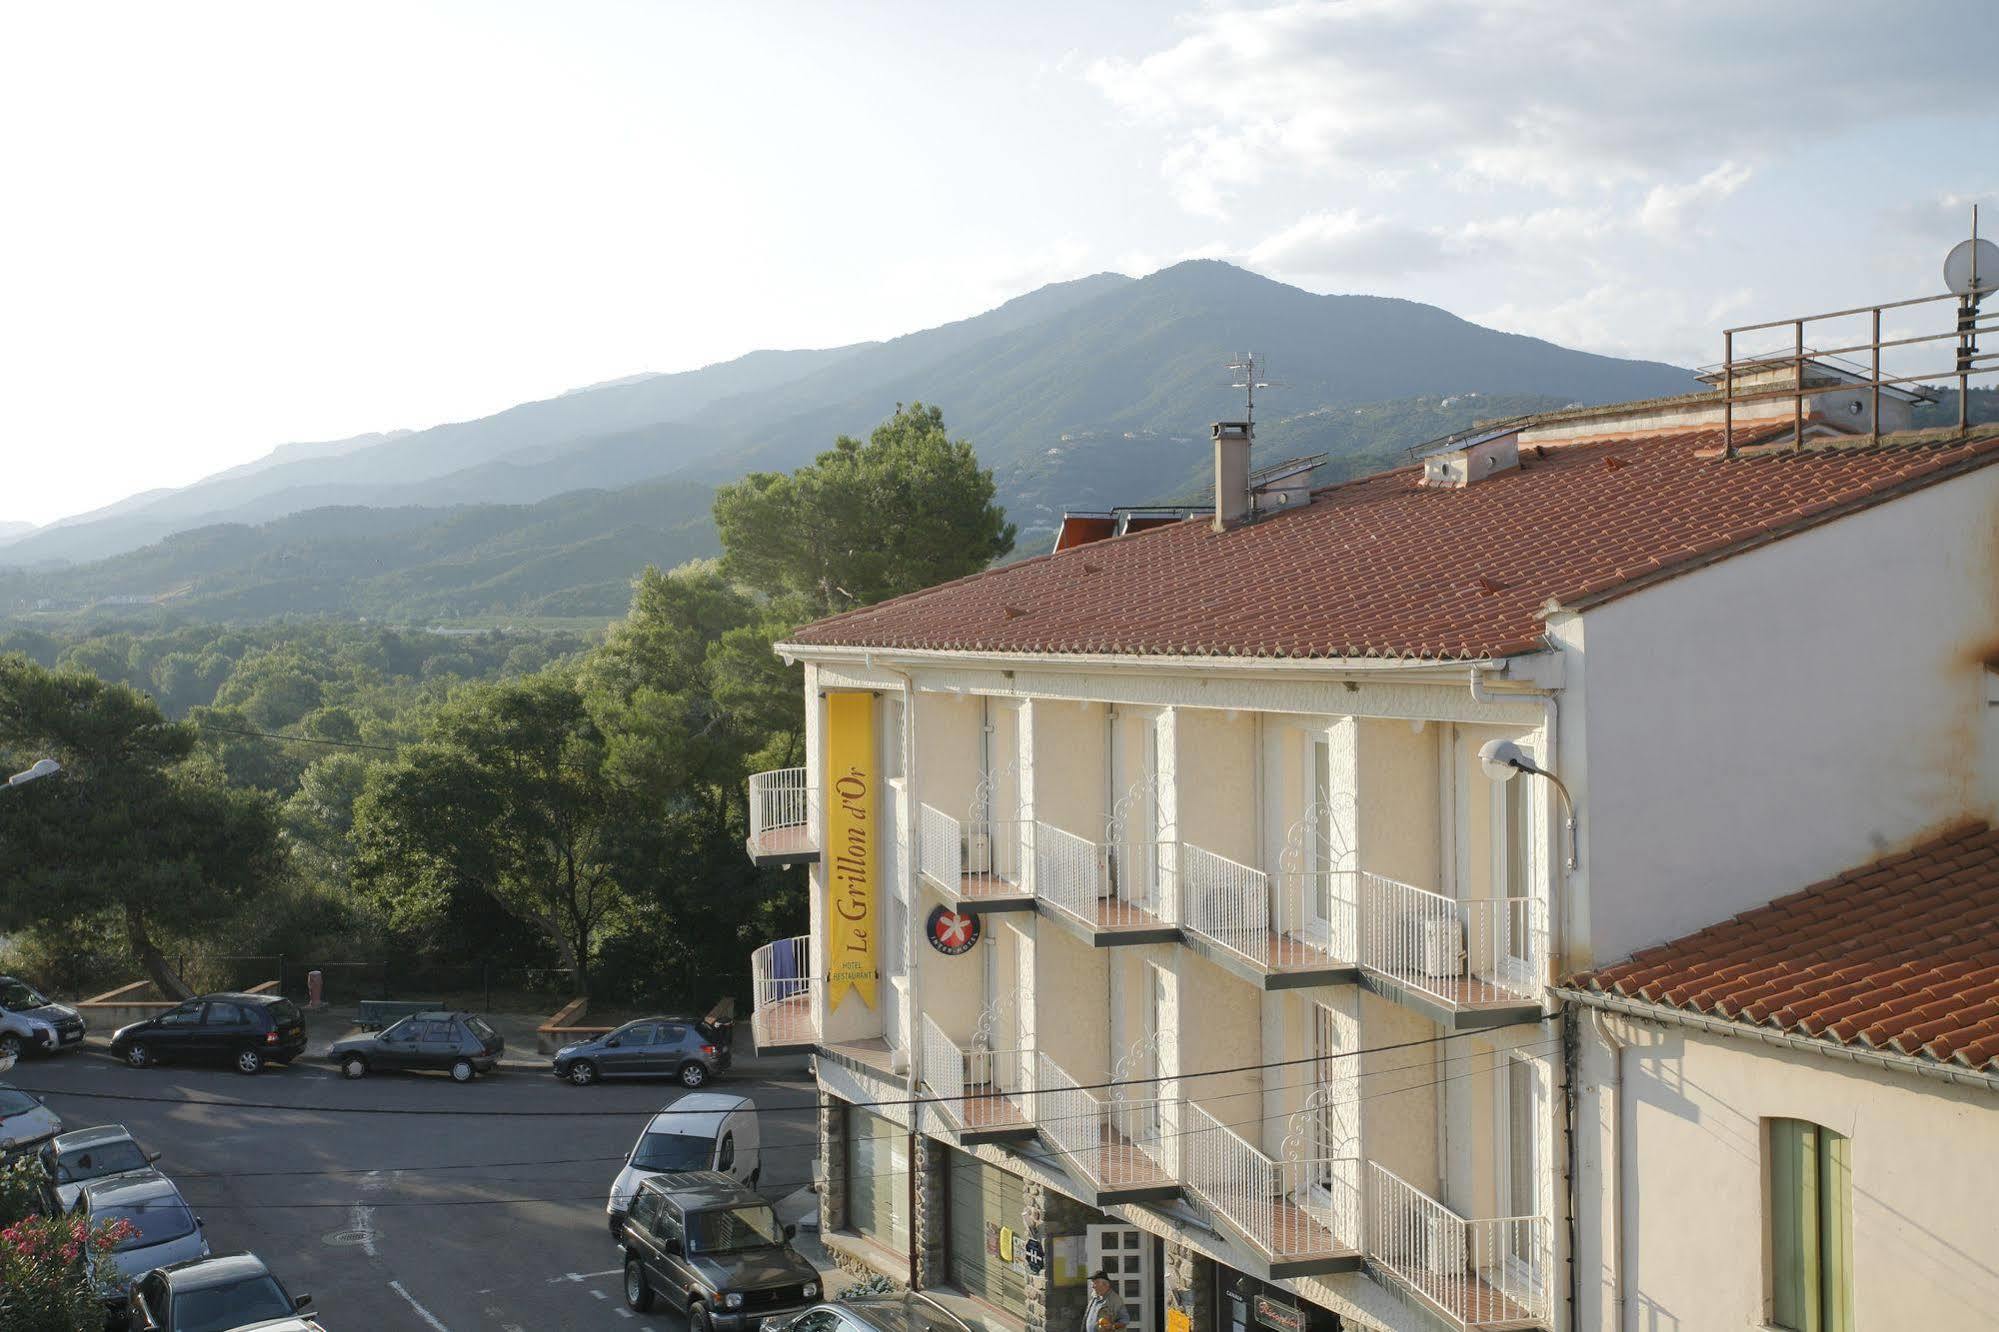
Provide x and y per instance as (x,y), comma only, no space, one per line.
(49,1265)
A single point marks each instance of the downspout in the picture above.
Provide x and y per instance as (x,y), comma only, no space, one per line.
(1616,1172)
(911,852)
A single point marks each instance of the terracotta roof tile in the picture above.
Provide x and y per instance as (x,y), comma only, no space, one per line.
(1383,566)
(1897,955)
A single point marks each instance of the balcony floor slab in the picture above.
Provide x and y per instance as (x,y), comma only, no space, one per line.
(1510,1012)
(1301,970)
(1460,1300)
(1117,925)
(985,894)
(783,846)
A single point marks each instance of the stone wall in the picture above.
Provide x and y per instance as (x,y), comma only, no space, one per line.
(930,1227)
(832,1165)
(1190,1285)
(1046,1215)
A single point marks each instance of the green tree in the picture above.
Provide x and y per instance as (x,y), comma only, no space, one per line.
(137,826)
(506,795)
(908,509)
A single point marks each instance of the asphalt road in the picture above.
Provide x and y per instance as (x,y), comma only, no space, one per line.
(438,1215)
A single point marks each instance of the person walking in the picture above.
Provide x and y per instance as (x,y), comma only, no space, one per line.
(1105,1311)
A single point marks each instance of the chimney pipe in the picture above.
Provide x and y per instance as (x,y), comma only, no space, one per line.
(1232,441)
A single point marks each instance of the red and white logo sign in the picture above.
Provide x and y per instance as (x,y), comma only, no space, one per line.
(953,932)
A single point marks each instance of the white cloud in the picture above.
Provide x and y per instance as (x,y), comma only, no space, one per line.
(1351,244)
(1671,210)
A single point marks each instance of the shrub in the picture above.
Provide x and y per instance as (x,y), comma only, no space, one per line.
(47,1273)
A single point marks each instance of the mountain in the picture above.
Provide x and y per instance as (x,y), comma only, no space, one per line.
(1054,387)
(14,529)
(569,555)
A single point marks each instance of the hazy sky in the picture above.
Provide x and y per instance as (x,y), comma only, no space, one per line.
(229,226)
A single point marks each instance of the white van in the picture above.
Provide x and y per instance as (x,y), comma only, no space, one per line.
(700,1131)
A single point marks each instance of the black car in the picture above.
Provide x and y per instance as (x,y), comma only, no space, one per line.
(463,1043)
(905,1311)
(710,1248)
(233,1292)
(245,1030)
(692,1050)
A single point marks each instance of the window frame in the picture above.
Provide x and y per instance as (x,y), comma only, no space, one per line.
(1807,1226)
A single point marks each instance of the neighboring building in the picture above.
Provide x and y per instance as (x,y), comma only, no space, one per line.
(1261,1000)
(1791,1119)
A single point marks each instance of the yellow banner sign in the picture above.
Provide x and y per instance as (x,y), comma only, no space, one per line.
(853,802)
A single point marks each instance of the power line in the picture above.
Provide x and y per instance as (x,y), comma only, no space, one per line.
(296,739)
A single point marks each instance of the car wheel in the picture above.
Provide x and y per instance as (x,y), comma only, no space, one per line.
(353,1066)
(10,1046)
(637,1293)
(582,1073)
(137,1055)
(249,1061)
(462,1071)
(693,1073)
(698,1319)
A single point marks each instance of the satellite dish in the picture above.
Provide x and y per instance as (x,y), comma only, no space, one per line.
(1958,265)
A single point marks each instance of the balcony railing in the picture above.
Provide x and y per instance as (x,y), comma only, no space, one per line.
(782,1009)
(971,860)
(1295,1211)
(1114,1144)
(1470,953)
(1296,921)
(1103,884)
(977,1090)
(784,816)
(1480,1274)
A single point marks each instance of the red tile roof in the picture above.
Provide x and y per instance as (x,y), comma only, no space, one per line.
(1899,955)
(1383,566)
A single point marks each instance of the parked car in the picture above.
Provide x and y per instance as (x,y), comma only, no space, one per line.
(73,1159)
(463,1043)
(231,1292)
(25,1123)
(246,1030)
(165,1229)
(700,1131)
(690,1049)
(30,1021)
(711,1249)
(905,1311)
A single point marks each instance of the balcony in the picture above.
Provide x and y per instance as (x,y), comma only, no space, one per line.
(784,818)
(1465,964)
(783,1009)
(1293,929)
(977,866)
(982,1095)
(1116,1149)
(1476,1274)
(1301,1217)
(1109,893)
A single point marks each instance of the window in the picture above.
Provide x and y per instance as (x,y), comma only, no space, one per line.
(671,1151)
(187,1015)
(639,1033)
(726,1158)
(1811,1227)
(730,1230)
(671,1033)
(645,1209)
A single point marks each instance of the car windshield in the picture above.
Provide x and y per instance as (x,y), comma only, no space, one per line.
(725,1231)
(14,1102)
(154,1221)
(99,1159)
(15,995)
(482,1029)
(671,1151)
(400,1031)
(219,1308)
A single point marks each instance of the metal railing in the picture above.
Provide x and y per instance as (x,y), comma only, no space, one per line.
(784,993)
(1115,1143)
(952,849)
(1490,1273)
(1291,1209)
(1078,875)
(942,854)
(1463,952)
(968,1083)
(781,801)
(1294,920)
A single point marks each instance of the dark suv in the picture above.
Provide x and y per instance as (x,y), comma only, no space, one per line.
(245,1030)
(462,1043)
(690,1049)
(713,1250)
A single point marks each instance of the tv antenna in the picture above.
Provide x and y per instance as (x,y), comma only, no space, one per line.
(1249,378)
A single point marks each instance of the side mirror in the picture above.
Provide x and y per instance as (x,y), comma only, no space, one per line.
(152,1157)
(301,1302)
(612,1044)
(789,1230)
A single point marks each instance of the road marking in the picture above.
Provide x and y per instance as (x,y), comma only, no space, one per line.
(585,1276)
(624,1313)
(364,1227)
(598,1294)
(421,1312)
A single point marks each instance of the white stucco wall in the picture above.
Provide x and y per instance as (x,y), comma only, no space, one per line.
(1925,1160)
(1784,715)
(1217,757)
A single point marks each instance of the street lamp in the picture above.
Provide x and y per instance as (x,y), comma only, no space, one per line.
(47,767)
(1501,759)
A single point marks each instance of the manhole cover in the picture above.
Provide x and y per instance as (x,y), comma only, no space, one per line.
(354,1238)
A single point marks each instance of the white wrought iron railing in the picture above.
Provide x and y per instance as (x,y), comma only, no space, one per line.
(1292,1209)
(1490,1273)
(1098,881)
(1465,952)
(1293,920)
(781,802)
(1115,1143)
(985,849)
(783,1004)
(943,848)
(971,1084)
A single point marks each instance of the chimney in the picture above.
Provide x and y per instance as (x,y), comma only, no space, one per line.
(1232,440)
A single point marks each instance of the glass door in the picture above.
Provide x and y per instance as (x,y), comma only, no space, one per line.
(1519,1183)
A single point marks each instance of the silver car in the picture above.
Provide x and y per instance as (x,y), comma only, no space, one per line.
(164,1228)
(32,1023)
(25,1123)
(81,1156)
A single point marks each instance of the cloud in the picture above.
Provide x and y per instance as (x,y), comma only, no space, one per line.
(1558,96)
(1350,244)
(1671,210)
